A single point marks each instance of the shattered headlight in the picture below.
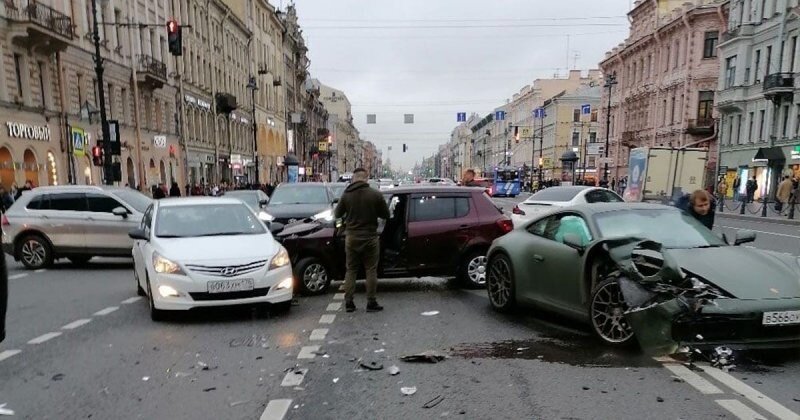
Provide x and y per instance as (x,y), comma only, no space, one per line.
(704,289)
(326,215)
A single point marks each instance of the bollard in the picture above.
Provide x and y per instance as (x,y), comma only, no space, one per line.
(791,211)
(764,207)
(722,204)
(744,204)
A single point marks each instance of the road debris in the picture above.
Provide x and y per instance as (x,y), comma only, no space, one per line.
(57,377)
(394,370)
(145,378)
(213,388)
(335,380)
(434,402)
(408,390)
(182,374)
(371,365)
(235,403)
(659,399)
(722,357)
(380,350)
(5,411)
(425,357)
(430,313)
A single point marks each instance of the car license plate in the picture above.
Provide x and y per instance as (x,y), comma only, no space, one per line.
(223,286)
(781,318)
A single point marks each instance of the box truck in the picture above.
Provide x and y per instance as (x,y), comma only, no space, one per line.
(662,173)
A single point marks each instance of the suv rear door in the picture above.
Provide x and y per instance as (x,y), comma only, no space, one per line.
(63,217)
(105,232)
(439,227)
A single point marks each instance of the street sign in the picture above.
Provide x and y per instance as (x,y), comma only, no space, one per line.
(603,161)
(526,132)
(323,146)
(500,115)
(595,148)
(408,118)
(586,109)
(113,133)
(539,113)
(723,170)
(371,118)
(547,162)
(461,117)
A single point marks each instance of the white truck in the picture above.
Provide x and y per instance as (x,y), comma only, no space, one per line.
(662,173)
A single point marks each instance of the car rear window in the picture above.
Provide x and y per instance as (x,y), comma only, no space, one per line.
(555,194)
(39,202)
(438,208)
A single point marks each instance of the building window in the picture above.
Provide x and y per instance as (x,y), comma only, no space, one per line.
(785,125)
(705,104)
(730,130)
(738,127)
(594,116)
(42,84)
(730,71)
(793,54)
(576,138)
(18,70)
(757,67)
(123,96)
(672,110)
(750,128)
(111,100)
(592,137)
(767,70)
(764,9)
(710,44)
(666,58)
(118,28)
(677,54)
(576,115)
(761,118)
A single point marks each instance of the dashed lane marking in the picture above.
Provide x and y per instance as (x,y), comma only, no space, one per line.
(318,334)
(5,354)
(131,300)
(308,352)
(767,403)
(106,311)
(693,379)
(294,377)
(335,306)
(75,324)
(44,337)
(338,296)
(327,319)
(741,411)
(18,276)
(276,410)
(41,270)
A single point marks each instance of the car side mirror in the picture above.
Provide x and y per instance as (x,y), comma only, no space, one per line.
(275,227)
(264,202)
(121,212)
(744,236)
(574,241)
(138,234)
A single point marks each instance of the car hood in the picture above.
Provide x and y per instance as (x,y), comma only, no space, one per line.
(295,211)
(746,273)
(300,228)
(223,248)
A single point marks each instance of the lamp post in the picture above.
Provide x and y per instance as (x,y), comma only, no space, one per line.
(610,82)
(98,69)
(251,84)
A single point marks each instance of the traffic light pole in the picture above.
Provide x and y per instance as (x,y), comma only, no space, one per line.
(98,61)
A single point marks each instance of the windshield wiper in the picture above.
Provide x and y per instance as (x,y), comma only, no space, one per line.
(170,236)
(707,246)
(223,234)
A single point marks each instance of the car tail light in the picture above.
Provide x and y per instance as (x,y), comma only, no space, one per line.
(5,221)
(505,225)
(517,210)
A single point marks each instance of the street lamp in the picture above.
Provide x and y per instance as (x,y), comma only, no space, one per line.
(610,82)
(253,86)
(98,69)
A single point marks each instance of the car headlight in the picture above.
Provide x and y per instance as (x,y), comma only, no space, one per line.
(280,259)
(285,284)
(326,215)
(165,266)
(265,217)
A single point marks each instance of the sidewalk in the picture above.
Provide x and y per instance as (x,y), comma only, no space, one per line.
(753,213)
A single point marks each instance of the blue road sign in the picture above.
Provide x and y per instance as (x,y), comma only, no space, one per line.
(461,117)
(586,109)
(539,113)
(500,115)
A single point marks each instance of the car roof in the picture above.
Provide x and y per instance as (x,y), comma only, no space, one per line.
(79,188)
(197,200)
(415,188)
(235,192)
(303,184)
(595,208)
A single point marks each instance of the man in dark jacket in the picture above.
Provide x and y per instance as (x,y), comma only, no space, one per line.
(700,205)
(361,207)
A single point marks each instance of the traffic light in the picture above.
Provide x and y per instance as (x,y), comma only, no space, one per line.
(174,38)
(97,155)
(516,134)
(404,147)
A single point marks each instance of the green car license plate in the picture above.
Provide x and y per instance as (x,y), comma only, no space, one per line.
(781,318)
(223,286)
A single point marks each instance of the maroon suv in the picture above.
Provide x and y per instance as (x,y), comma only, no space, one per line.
(432,231)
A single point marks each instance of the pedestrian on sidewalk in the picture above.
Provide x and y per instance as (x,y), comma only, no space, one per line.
(722,187)
(737,182)
(783,194)
(700,205)
(750,187)
(361,206)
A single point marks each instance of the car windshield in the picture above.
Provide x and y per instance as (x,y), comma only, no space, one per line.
(135,199)
(193,220)
(509,175)
(670,227)
(299,194)
(248,197)
(338,190)
(555,194)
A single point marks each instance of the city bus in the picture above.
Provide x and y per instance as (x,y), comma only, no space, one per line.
(507,182)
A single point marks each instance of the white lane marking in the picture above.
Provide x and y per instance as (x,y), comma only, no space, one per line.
(294,377)
(761,231)
(44,337)
(318,334)
(131,300)
(751,394)
(693,379)
(41,270)
(335,306)
(327,319)
(741,411)
(17,276)
(338,296)
(308,352)
(5,354)
(75,324)
(276,410)
(106,311)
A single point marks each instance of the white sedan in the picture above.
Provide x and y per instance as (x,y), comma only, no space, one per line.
(548,198)
(199,252)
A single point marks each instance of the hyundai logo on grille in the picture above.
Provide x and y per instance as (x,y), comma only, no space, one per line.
(292,221)
(228,271)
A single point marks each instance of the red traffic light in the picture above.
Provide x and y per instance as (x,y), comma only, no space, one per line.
(172,26)
(97,151)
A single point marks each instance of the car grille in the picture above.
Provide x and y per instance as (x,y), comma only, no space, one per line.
(227,270)
(200,296)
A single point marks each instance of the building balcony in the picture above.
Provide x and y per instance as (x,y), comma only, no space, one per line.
(779,86)
(701,126)
(38,25)
(739,31)
(151,73)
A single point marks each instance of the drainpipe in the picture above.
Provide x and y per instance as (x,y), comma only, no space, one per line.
(141,179)
(658,80)
(688,75)
(620,112)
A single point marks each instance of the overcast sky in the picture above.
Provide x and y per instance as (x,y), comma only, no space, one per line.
(434,58)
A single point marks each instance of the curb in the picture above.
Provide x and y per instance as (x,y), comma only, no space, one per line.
(772,220)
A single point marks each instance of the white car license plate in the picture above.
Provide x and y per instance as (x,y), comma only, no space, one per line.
(223,286)
(781,318)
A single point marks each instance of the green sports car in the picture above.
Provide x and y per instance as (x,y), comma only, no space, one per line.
(651,273)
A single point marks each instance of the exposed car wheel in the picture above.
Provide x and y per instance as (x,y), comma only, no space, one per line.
(472,271)
(155,314)
(79,261)
(313,276)
(607,311)
(500,284)
(35,252)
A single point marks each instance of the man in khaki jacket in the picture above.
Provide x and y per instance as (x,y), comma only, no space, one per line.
(784,193)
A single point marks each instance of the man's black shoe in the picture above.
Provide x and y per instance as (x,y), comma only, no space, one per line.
(373,306)
(350,306)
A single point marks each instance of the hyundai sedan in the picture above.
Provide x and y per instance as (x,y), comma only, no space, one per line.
(199,252)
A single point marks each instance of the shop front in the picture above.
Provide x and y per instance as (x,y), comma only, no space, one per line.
(30,151)
(201,166)
(162,161)
(765,165)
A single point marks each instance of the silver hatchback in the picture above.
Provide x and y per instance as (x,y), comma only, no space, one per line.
(74,222)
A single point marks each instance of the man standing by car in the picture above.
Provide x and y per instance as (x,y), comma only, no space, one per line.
(469,179)
(700,205)
(361,206)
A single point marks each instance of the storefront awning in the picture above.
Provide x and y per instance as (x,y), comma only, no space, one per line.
(770,153)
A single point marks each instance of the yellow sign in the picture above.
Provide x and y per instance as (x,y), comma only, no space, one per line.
(526,132)
(79,142)
(547,162)
(323,146)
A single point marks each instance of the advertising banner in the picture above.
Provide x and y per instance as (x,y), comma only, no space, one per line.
(637,168)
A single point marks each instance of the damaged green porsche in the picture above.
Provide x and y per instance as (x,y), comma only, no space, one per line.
(648,273)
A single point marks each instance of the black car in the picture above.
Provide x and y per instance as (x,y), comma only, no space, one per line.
(3,297)
(292,202)
(255,199)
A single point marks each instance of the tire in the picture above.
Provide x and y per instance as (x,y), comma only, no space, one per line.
(79,261)
(607,314)
(500,284)
(157,315)
(139,290)
(472,270)
(313,277)
(35,252)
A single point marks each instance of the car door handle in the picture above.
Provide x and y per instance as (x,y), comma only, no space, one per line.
(538,257)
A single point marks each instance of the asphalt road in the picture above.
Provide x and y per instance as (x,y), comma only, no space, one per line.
(81,345)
